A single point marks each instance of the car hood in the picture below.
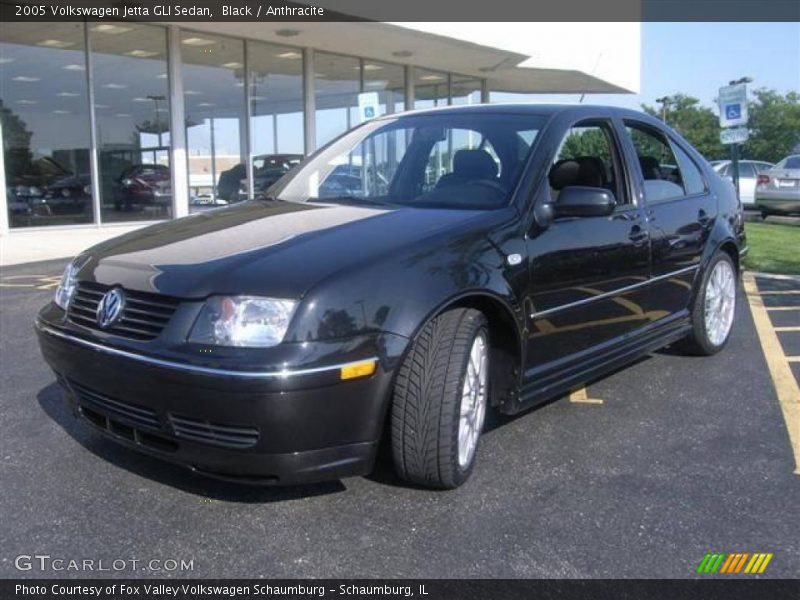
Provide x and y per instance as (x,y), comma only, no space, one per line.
(277,249)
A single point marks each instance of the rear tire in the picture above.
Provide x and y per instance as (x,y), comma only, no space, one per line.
(714,308)
(440,400)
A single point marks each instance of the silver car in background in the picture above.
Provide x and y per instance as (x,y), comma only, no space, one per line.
(748,177)
(778,190)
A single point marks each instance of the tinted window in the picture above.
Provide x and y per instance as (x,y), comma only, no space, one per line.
(586,157)
(792,162)
(662,178)
(693,181)
(746,170)
(433,161)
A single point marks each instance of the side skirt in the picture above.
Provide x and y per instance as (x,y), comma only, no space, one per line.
(549,381)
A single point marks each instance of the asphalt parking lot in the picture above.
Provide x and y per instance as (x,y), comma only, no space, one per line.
(639,476)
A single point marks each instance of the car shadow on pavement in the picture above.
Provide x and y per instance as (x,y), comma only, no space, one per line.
(52,401)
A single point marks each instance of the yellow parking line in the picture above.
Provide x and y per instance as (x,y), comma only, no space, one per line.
(771,308)
(779,329)
(579,396)
(785,383)
(779,292)
(793,358)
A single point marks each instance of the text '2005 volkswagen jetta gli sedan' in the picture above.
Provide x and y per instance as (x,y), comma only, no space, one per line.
(411,275)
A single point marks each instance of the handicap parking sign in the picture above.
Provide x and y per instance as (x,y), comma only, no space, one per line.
(733,111)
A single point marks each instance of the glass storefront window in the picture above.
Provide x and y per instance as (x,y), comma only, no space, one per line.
(276,96)
(337,83)
(430,89)
(216,123)
(131,105)
(44,109)
(389,81)
(465,90)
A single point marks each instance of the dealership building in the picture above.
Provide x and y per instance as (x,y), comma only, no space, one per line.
(108,126)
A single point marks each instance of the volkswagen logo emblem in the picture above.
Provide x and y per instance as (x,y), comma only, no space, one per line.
(110,308)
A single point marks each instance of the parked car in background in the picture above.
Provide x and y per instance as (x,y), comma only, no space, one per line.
(778,189)
(276,341)
(143,185)
(748,177)
(267,169)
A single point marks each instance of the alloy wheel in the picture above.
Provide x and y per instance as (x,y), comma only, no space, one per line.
(473,400)
(720,302)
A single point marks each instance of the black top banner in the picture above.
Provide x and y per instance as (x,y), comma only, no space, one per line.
(400,10)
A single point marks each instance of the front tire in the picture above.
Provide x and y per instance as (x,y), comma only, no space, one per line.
(440,400)
(714,308)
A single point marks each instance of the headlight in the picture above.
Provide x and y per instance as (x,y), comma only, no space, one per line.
(242,321)
(68,283)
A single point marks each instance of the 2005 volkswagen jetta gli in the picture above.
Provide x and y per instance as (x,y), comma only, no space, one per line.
(411,275)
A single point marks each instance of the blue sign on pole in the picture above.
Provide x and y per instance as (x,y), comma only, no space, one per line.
(733,111)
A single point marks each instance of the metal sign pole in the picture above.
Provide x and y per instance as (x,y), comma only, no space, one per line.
(735,166)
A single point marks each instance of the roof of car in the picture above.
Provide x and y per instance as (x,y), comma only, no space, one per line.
(524,108)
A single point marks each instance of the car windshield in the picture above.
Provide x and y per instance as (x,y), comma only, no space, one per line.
(792,162)
(444,160)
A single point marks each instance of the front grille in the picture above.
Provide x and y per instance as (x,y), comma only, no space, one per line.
(139,416)
(144,315)
(214,434)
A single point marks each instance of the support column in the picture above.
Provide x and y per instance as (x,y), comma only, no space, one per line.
(246,143)
(309,102)
(94,163)
(409,87)
(177,122)
(3,194)
(486,97)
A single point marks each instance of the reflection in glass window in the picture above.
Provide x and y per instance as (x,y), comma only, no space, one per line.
(430,89)
(389,82)
(465,90)
(276,93)
(337,82)
(131,92)
(214,97)
(44,108)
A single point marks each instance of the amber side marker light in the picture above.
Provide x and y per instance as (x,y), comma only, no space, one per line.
(364,368)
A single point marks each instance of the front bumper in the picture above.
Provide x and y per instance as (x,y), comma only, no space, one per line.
(293,426)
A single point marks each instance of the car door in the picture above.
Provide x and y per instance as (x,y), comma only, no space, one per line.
(586,273)
(680,213)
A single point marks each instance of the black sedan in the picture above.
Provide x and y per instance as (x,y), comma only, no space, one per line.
(490,258)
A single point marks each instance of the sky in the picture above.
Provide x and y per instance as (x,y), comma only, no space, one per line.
(697,58)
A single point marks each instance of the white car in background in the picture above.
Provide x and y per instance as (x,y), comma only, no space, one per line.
(748,177)
(778,190)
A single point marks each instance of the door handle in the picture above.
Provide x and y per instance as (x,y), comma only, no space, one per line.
(638,235)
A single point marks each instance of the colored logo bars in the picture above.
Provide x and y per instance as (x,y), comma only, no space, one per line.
(733,563)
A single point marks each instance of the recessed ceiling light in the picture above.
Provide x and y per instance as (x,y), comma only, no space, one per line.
(192,92)
(24,78)
(27,101)
(162,76)
(101,105)
(291,55)
(258,97)
(402,53)
(115,86)
(140,99)
(68,94)
(74,68)
(431,77)
(162,109)
(111,29)
(5,61)
(197,41)
(141,53)
(374,83)
(55,44)
(122,115)
(287,33)
(61,112)
(371,67)
(206,104)
(233,65)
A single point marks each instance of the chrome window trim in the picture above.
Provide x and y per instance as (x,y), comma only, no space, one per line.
(180,366)
(622,290)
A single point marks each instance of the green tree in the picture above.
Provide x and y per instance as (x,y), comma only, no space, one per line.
(698,124)
(774,125)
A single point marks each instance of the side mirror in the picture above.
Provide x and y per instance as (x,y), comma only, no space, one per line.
(582,201)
